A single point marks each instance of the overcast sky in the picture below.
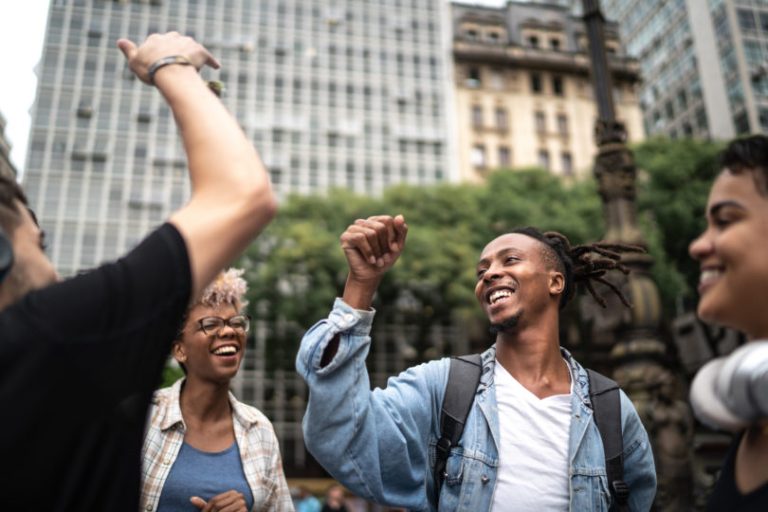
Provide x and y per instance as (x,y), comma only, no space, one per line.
(22,29)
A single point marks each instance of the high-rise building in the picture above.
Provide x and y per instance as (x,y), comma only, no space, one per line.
(741,33)
(523,92)
(333,93)
(6,166)
(701,63)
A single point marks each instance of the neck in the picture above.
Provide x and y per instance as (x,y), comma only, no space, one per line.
(204,401)
(532,356)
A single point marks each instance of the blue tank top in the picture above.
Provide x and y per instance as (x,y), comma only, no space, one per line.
(203,474)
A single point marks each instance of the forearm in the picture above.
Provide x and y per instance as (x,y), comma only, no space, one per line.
(222,162)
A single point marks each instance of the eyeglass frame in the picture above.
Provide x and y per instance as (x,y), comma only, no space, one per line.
(225,322)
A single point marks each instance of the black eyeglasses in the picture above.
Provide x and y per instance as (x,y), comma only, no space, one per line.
(211,325)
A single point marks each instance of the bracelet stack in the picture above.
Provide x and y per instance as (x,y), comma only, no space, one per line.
(166,61)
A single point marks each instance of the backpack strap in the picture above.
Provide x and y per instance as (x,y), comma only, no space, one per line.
(463,378)
(606,406)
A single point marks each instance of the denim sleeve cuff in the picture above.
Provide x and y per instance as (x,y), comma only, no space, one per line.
(355,322)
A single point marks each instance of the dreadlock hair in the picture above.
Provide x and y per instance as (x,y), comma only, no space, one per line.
(582,264)
(748,155)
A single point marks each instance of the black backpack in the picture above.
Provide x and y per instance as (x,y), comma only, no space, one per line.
(463,379)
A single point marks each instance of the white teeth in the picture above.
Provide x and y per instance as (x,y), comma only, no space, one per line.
(708,276)
(499,294)
(227,350)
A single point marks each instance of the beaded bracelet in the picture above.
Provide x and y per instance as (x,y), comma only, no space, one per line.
(166,61)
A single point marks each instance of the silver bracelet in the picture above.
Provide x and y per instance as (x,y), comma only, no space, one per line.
(166,61)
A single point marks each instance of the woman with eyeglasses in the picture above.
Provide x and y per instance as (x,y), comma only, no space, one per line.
(203,449)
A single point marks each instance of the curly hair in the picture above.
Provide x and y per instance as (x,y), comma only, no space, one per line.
(228,288)
(582,264)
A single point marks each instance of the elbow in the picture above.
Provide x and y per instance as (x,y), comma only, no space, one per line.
(260,201)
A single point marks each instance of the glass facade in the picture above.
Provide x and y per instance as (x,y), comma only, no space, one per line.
(333,93)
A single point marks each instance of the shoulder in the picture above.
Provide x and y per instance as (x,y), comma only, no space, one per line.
(250,416)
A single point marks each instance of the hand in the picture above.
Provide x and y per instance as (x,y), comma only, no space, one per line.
(230,501)
(158,46)
(371,247)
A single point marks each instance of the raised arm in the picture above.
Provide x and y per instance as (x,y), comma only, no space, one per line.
(371,247)
(232,199)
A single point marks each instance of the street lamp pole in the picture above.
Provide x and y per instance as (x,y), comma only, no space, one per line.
(639,358)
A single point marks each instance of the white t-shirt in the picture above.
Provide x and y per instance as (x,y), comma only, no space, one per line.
(533,456)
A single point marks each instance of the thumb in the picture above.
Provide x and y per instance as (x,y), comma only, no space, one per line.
(198,502)
(127,47)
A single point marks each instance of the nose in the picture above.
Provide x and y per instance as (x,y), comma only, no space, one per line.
(227,331)
(493,273)
(700,247)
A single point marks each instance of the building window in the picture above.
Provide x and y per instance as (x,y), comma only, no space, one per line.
(670,110)
(544,158)
(567,163)
(541,122)
(763,116)
(502,119)
(472,34)
(682,99)
(504,157)
(554,44)
(562,124)
(477,116)
(533,41)
(473,78)
(557,85)
(747,20)
(536,85)
(477,156)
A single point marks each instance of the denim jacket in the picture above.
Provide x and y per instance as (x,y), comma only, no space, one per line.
(381,443)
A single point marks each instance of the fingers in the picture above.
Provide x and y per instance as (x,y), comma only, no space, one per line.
(229,501)
(376,237)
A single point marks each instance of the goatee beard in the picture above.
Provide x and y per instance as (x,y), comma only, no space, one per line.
(507,325)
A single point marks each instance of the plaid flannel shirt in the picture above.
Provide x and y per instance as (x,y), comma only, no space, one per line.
(255,437)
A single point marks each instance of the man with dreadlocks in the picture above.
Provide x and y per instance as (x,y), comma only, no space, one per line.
(530,442)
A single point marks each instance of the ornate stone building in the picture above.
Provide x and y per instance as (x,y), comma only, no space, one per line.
(522,89)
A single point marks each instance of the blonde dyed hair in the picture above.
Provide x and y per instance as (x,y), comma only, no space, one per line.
(229,287)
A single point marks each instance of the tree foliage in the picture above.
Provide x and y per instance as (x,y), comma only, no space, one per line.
(672,195)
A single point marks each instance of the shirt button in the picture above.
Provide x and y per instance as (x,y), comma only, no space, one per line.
(167,461)
(349,318)
(484,479)
(149,508)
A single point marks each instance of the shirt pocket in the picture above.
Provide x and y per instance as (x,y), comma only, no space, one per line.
(589,490)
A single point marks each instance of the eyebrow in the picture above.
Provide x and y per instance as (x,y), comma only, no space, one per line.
(715,208)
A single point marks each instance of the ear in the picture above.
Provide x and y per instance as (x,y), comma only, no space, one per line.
(556,283)
(178,352)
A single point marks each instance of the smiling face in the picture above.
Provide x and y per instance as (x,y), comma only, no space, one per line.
(733,255)
(514,279)
(213,356)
